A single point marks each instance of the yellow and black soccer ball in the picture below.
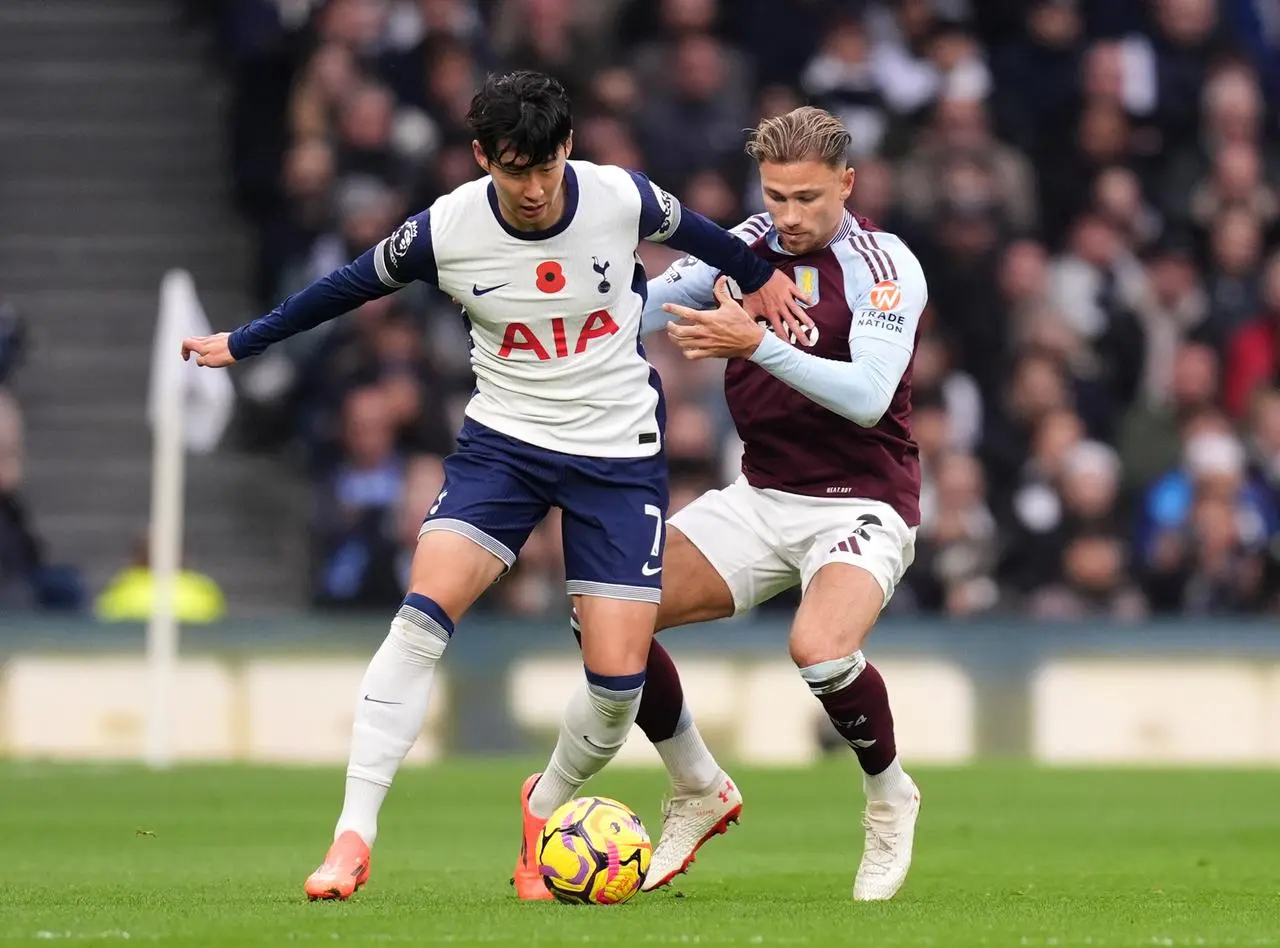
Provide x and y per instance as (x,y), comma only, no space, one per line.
(594,851)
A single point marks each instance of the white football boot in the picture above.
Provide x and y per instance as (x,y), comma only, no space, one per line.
(687,823)
(886,854)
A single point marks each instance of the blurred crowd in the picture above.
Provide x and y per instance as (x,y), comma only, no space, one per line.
(19,548)
(1090,184)
(28,580)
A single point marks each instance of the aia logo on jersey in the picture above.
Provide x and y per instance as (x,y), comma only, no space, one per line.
(885,296)
(519,337)
(550,276)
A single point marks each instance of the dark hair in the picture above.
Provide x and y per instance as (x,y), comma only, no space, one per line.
(520,119)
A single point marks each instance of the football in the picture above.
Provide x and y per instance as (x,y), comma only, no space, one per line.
(594,851)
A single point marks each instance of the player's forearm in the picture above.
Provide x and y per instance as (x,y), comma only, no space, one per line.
(327,298)
(860,390)
(713,244)
(654,316)
(671,287)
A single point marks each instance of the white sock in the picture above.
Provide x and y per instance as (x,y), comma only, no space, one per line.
(891,785)
(390,711)
(692,768)
(595,727)
(360,808)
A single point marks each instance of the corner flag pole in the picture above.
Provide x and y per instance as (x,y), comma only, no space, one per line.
(166,551)
(167,495)
(189,408)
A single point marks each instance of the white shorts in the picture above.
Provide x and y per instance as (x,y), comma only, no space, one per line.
(763,542)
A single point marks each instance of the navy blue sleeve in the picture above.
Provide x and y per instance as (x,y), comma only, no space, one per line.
(660,211)
(408,254)
(711,243)
(663,219)
(405,256)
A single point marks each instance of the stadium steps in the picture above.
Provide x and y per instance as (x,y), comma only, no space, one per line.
(119,148)
(104,316)
(105,91)
(124,261)
(211,548)
(112,148)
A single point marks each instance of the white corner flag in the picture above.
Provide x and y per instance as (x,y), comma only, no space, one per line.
(187,407)
(206,396)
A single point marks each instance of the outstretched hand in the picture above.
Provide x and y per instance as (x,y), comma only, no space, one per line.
(726,332)
(778,302)
(212,351)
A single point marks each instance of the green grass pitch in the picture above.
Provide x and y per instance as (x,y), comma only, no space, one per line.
(1005,855)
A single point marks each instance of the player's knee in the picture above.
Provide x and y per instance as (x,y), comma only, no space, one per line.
(831,675)
(837,612)
(616,645)
(421,629)
(805,651)
(812,645)
(614,697)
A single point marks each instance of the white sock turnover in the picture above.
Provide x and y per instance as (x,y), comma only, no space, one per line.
(595,726)
(891,785)
(390,710)
(692,768)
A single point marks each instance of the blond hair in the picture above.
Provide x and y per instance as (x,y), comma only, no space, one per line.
(803,134)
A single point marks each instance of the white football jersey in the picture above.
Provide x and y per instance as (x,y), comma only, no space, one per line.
(553,315)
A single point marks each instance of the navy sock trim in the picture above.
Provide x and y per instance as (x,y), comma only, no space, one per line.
(431,609)
(618,683)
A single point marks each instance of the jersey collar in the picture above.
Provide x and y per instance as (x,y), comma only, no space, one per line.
(842,232)
(570,209)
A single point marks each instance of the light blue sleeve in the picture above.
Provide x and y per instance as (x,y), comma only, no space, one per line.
(881,340)
(690,282)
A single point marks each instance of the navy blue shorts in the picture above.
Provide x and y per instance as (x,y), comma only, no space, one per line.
(497,489)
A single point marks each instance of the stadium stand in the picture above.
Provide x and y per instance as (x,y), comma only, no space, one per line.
(111,138)
(1092,187)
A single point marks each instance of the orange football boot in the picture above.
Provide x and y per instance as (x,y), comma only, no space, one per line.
(528,877)
(345,869)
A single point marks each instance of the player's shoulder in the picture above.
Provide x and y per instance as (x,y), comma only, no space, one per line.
(458,207)
(754,228)
(477,189)
(625,184)
(610,177)
(614,196)
(866,233)
(881,254)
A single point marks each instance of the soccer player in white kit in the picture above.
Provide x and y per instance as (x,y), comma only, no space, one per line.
(828,498)
(567,412)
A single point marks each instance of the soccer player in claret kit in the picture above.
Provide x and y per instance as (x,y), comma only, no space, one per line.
(567,412)
(829,495)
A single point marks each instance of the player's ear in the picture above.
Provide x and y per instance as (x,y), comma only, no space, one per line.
(846,185)
(480,157)
(568,145)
